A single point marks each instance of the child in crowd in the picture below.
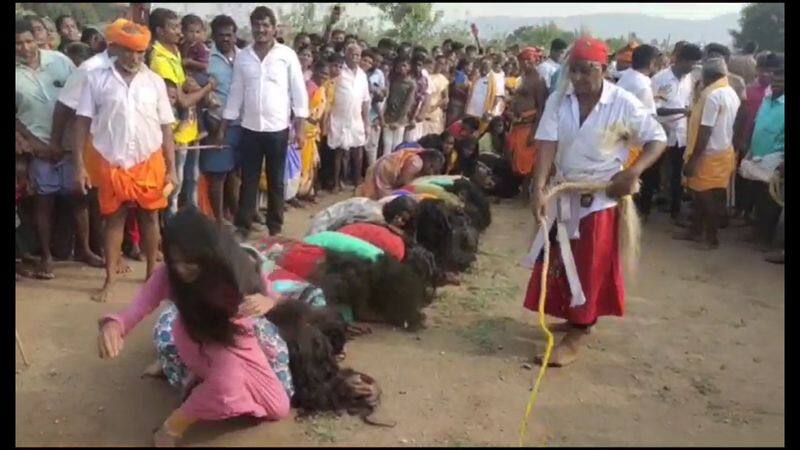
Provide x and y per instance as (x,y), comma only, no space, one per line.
(195,55)
(402,91)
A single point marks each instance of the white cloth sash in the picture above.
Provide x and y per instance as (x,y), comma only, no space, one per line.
(564,211)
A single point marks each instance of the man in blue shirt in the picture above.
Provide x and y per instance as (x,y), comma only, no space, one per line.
(219,165)
(768,139)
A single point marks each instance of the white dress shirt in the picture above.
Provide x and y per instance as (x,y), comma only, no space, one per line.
(670,92)
(126,120)
(427,76)
(719,112)
(596,151)
(592,151)
(71,94)
(351,93)
(546,69)
(639,85)
(477,101)
(269,90)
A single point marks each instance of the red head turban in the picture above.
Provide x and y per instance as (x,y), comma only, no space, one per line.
(589,49)
(530,54)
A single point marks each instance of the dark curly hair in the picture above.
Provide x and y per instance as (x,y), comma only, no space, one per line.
(391,289)
(314,336)
(448,233)
(476,205)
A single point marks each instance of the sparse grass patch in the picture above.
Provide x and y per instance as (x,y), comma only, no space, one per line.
(480,333)
(322,428)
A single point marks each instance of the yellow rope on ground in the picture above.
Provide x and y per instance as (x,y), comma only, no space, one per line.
(546,360)
(629,242)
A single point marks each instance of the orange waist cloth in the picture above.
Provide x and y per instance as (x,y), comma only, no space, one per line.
(713,171)
(522,155)
(203,198)
(142,183)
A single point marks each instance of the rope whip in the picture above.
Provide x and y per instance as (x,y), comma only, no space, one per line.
(626,202)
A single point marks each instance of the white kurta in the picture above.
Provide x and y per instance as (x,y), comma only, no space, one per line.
(670,92)
(592,152)
(719,113)
(346,125)
(640,86)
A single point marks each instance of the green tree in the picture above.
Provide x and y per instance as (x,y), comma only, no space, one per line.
(458,32)
(85,14)
(762,23)
(616,43)
(539,35)
(301,17)
(413,22)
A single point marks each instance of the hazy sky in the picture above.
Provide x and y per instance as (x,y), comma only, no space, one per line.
(464,10)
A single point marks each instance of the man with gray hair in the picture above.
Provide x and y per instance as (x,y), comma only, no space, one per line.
(710,158)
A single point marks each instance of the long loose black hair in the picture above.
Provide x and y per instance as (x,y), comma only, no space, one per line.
(227,274)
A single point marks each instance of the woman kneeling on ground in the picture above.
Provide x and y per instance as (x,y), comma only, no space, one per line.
(214,332)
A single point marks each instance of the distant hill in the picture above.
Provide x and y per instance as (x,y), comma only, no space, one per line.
(614,25)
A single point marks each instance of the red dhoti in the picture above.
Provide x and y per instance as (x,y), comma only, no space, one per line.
(597,260)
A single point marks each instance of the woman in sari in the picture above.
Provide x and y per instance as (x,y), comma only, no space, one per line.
(309,155)
(396,169)
(433,111)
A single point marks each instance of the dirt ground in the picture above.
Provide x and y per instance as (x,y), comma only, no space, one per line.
(697,360)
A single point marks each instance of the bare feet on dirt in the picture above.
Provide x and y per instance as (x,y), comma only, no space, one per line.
(90,259)
(103,294)
(566,351)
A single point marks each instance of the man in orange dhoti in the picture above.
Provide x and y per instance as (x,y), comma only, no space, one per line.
(710,158)
(127,110)
(524,112)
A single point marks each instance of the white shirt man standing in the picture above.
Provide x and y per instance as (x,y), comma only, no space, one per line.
(126,108)
(268,88)
(349,116)
(636,80)
(550,66)
(672,91)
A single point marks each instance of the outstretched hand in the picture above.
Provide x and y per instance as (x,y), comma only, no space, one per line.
(110,341)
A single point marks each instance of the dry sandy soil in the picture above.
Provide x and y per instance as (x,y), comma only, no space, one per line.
(698,360)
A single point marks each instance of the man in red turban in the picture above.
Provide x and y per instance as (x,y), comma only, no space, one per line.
(531,54)
(589,126)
